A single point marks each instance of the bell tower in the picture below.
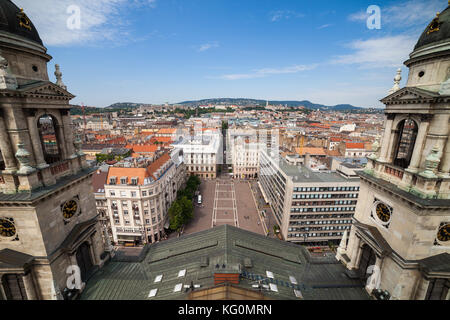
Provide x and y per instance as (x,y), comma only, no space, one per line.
(401,228)
(48,219)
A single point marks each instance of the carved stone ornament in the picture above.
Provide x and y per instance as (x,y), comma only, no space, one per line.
(7,80)
(23,156)
(77,144)
(432,163)
(375,148)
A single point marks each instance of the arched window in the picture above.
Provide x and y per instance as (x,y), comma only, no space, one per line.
(49,140)
(407,134)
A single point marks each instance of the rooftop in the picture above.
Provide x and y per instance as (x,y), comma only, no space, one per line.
(301,174)
(166,268)
(142,174)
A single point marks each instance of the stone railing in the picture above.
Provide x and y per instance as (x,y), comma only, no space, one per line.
(59,168)
(394,172)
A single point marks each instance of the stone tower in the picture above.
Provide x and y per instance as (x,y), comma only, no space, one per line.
(48,218)
(402,221)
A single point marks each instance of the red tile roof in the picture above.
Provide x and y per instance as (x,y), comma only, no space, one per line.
(140,173)
(354,145)
(146,148)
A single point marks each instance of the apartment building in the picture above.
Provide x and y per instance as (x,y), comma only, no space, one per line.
(139,197)
(243,149)
(312,208)
(202,153)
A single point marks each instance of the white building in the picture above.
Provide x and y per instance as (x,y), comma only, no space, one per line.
(202,153)
(312,208)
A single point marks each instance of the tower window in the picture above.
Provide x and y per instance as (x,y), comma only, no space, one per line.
(421,74)
(35,68)
(407,134)
(49,139)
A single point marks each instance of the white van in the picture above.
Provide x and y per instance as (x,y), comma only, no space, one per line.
(199,201)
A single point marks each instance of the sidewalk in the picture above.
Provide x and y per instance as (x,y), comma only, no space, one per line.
(262,206)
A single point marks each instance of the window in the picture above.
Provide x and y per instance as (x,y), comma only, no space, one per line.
(112,193)
(112,180)
(123,180)
(134,181)
(405,141)
(123,193)
(144,193)
(125,212)
(50,139)
(133,194)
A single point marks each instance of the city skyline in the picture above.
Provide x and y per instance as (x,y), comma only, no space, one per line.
(157,51)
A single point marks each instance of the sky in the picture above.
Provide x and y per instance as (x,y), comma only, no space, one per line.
(157,51)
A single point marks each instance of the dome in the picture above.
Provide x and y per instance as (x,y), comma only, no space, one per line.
(437,32)
(14,21)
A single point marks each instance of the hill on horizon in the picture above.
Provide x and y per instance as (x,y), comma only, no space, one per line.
(251,102)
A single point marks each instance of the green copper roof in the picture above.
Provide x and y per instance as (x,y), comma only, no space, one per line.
(224,249)
(438,31)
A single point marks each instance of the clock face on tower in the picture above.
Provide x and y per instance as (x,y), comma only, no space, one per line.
(382,213)
(443,235)
(7,228)
(69,209)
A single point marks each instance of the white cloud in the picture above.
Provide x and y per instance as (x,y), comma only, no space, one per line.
(100,20)
(284,14)
(404,14)
(325,26)
(389,51)
(261,73)
(207,46)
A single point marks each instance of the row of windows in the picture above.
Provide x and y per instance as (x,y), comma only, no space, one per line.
(297,223)
(323,216)
(320,228)
(312,235)
(324,196)
(321,189)
(323,203)
(138,222)
(325,209)
(191,168)
(132,193)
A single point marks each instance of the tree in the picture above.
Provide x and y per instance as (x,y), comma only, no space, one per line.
(187,209)
(175,215)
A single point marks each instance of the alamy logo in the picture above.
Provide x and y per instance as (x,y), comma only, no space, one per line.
(374,20)
(74,20)
(74,279)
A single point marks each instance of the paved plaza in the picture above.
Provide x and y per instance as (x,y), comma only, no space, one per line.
(226,201)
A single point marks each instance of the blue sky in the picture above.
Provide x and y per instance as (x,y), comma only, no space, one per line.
(156,51)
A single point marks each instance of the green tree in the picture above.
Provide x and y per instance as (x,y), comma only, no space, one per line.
(187,209)
(175,215)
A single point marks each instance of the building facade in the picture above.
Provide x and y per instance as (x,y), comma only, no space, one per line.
(311,208)
(401,225)
(202,153)
(138,199)
(48,221)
